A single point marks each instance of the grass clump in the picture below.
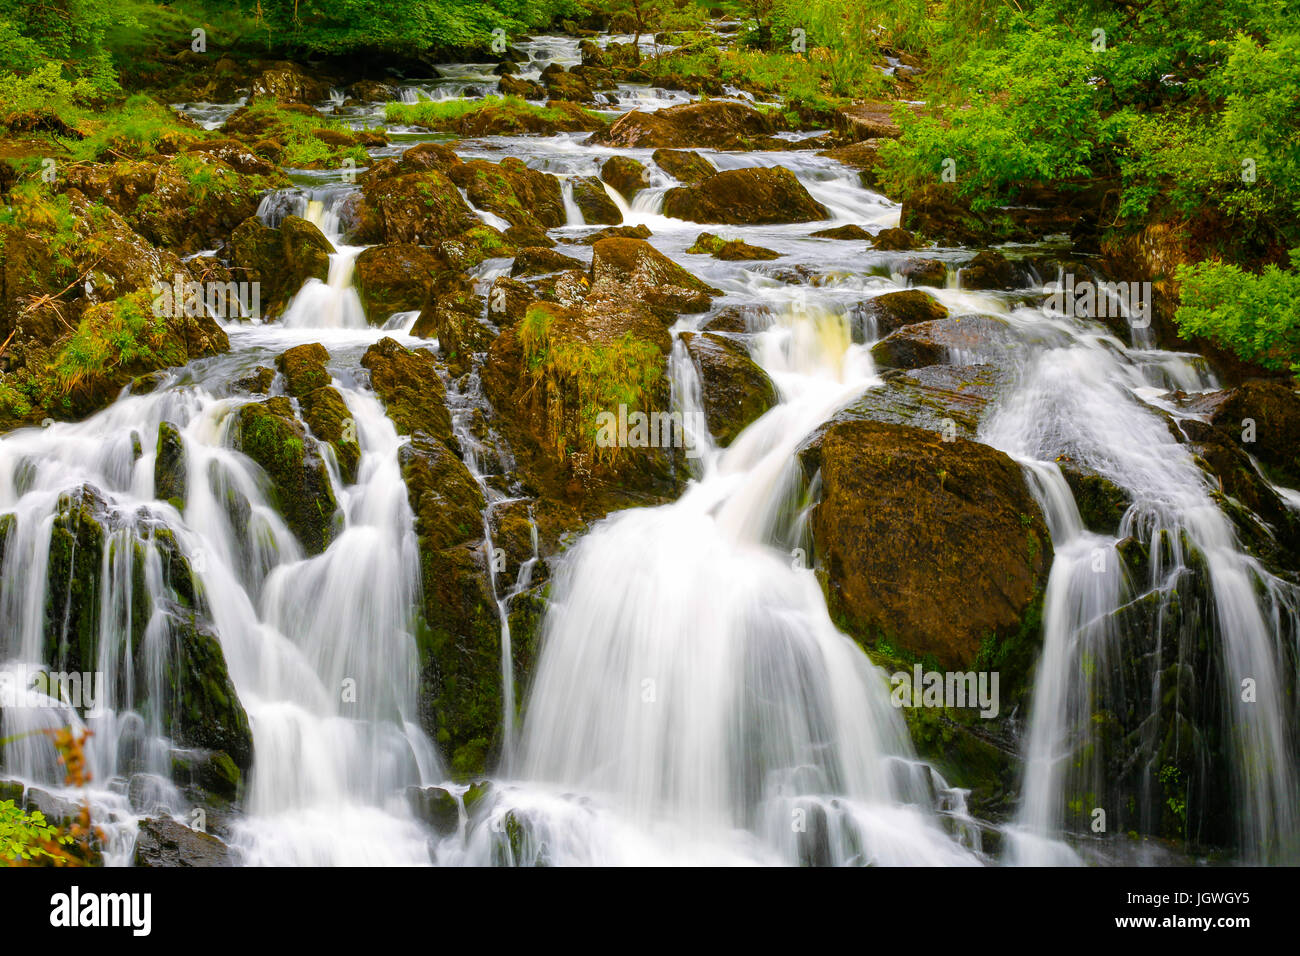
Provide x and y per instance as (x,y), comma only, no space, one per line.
(583,378)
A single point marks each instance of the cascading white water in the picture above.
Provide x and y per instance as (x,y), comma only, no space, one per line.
(692,686)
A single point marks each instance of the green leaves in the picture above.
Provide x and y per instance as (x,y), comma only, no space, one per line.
(1255,316)
(22,834)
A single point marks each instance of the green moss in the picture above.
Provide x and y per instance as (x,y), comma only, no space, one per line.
(590,378)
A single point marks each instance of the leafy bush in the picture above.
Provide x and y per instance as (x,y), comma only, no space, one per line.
(24,836)
(1257,317)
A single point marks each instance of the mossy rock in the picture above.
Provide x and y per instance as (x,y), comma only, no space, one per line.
(735,391)
(590,197)
(170,472)
(269,434)
(407,382)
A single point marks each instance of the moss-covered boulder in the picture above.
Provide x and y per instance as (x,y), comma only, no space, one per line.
(735,250)
(894,240)
(686,166)
(400,278)
(845,233)
(279,260)
(323,408)
(195,203)
(164,842)
(626,175)
(751,196)
(269,434)
(649,275)
(524,89)
(590,197)
(456,321)
(712,125)
(950,400)
(408,383)
(303,367)
(989,269)
(919,272)
(478,244)
(518,194)
(418,208)
(287,82)
(892,311)
(170,475)
(734,390)
(1262,417)
(934,547)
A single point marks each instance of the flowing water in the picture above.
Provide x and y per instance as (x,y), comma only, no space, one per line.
(693,701)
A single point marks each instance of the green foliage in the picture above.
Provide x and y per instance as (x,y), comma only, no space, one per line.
(67,34)
(1255,316)
(1169,99)
(585,379)
(443,114)
(23,835)
(299,134)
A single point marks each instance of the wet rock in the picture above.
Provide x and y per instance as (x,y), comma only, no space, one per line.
(894,240)
(400,278)
(199,707)
(474,247)
(616,232)
(684,165)
(195,202)
(327,415)
(988,270)
(730,249)
(626,175)
(902,513)
(755,195)
(372,91)
(938,213)
(597,208)
(407,382)
(165,842)
(425,156)
(734,390)
(868,121)
(711,124)
(892,311)
(271,436)
(419,208)
(1269,413)
(739,319)
(532,262)
(279,260)
(957,340)
(1101,502)
(123,261)
(288,83)
(649,275)
(520,195)
(563,85)
(508,299)
(950,400)
(457,323)
(259,382)
(843,232)
(931,272)
(170,472)
(304,369)
(525,89)
(522,236)
(435,806)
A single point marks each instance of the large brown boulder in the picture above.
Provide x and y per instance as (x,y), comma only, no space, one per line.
(288,83)
(752,196)
(518,194)
(419,208)
(279,260)
(408,383)
(625,174)
(957,340)
(1262,418)
(195,202)
(400,278)
(590,197)
(711,125)
(684,165)
(649,275)
(890,312)
(865,121)
(935,547)
(734,390)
